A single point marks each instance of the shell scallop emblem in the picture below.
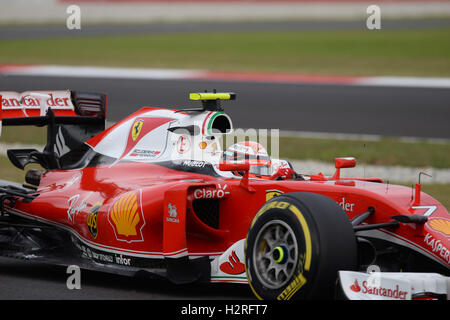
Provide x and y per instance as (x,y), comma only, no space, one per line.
(440,225)
(126,217)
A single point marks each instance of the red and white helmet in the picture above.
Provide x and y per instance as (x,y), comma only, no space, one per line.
(253,153)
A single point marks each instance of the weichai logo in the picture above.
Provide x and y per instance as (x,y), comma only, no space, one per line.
(381,291)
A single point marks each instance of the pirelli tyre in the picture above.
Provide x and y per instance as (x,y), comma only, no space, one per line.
(296,244)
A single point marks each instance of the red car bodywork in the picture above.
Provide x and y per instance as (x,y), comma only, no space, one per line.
(126,212)
(156,235)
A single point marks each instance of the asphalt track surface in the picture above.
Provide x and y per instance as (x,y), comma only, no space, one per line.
(35,281)
(386,111)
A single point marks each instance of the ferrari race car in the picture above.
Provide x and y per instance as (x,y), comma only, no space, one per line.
(155,193)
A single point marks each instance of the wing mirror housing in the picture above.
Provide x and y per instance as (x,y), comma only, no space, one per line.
(339,163)
(238,166)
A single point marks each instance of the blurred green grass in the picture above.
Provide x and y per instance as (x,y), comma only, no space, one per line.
(387,151)
(439,191)
(350,52)
(24,134)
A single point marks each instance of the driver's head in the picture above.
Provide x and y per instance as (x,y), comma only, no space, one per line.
(253,153)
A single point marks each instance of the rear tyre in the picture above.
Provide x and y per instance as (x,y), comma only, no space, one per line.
(296,245)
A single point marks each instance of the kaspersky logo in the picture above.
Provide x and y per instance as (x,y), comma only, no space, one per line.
(126,217)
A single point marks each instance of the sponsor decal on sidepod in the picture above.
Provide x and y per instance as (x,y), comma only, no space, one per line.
(208,193)
(126,217)
(373,286)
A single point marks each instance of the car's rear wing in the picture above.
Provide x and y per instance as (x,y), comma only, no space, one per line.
(71,118)
(31,107)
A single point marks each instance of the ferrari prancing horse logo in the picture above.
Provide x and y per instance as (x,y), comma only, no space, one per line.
(136,130)
(272,193)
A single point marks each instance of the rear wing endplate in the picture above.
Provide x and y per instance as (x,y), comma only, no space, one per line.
(71,118)
(70,107)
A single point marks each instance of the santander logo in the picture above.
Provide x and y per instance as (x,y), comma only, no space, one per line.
(233,265)
(383,292)
(355,287)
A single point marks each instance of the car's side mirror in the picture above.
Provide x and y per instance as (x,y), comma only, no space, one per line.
(339,163)
(348,162)
(238,166)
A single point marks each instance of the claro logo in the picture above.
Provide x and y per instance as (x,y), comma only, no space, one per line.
(211,193)
(365,288)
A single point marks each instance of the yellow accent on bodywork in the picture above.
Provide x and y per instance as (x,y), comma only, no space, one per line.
(209,96)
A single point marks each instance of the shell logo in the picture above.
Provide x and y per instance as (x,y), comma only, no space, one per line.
(126,217)
(440,225)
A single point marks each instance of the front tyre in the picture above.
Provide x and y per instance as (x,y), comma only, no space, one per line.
(296,245)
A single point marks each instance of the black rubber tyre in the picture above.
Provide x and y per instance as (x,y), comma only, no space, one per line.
(296,245)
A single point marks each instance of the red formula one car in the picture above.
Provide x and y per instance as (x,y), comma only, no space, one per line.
(155,193)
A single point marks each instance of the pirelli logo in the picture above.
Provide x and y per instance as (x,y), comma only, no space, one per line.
(304,263)
(270,205)
(292,288)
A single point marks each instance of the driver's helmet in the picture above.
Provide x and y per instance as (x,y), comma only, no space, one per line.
(253,153)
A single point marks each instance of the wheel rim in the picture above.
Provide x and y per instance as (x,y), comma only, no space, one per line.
(275,254)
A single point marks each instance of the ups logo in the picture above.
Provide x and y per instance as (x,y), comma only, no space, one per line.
(92,219)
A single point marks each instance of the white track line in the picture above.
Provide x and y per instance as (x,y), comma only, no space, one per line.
(101,72)
(177,74)
(405,82)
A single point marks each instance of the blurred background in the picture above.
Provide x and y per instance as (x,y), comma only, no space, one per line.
(337,78)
